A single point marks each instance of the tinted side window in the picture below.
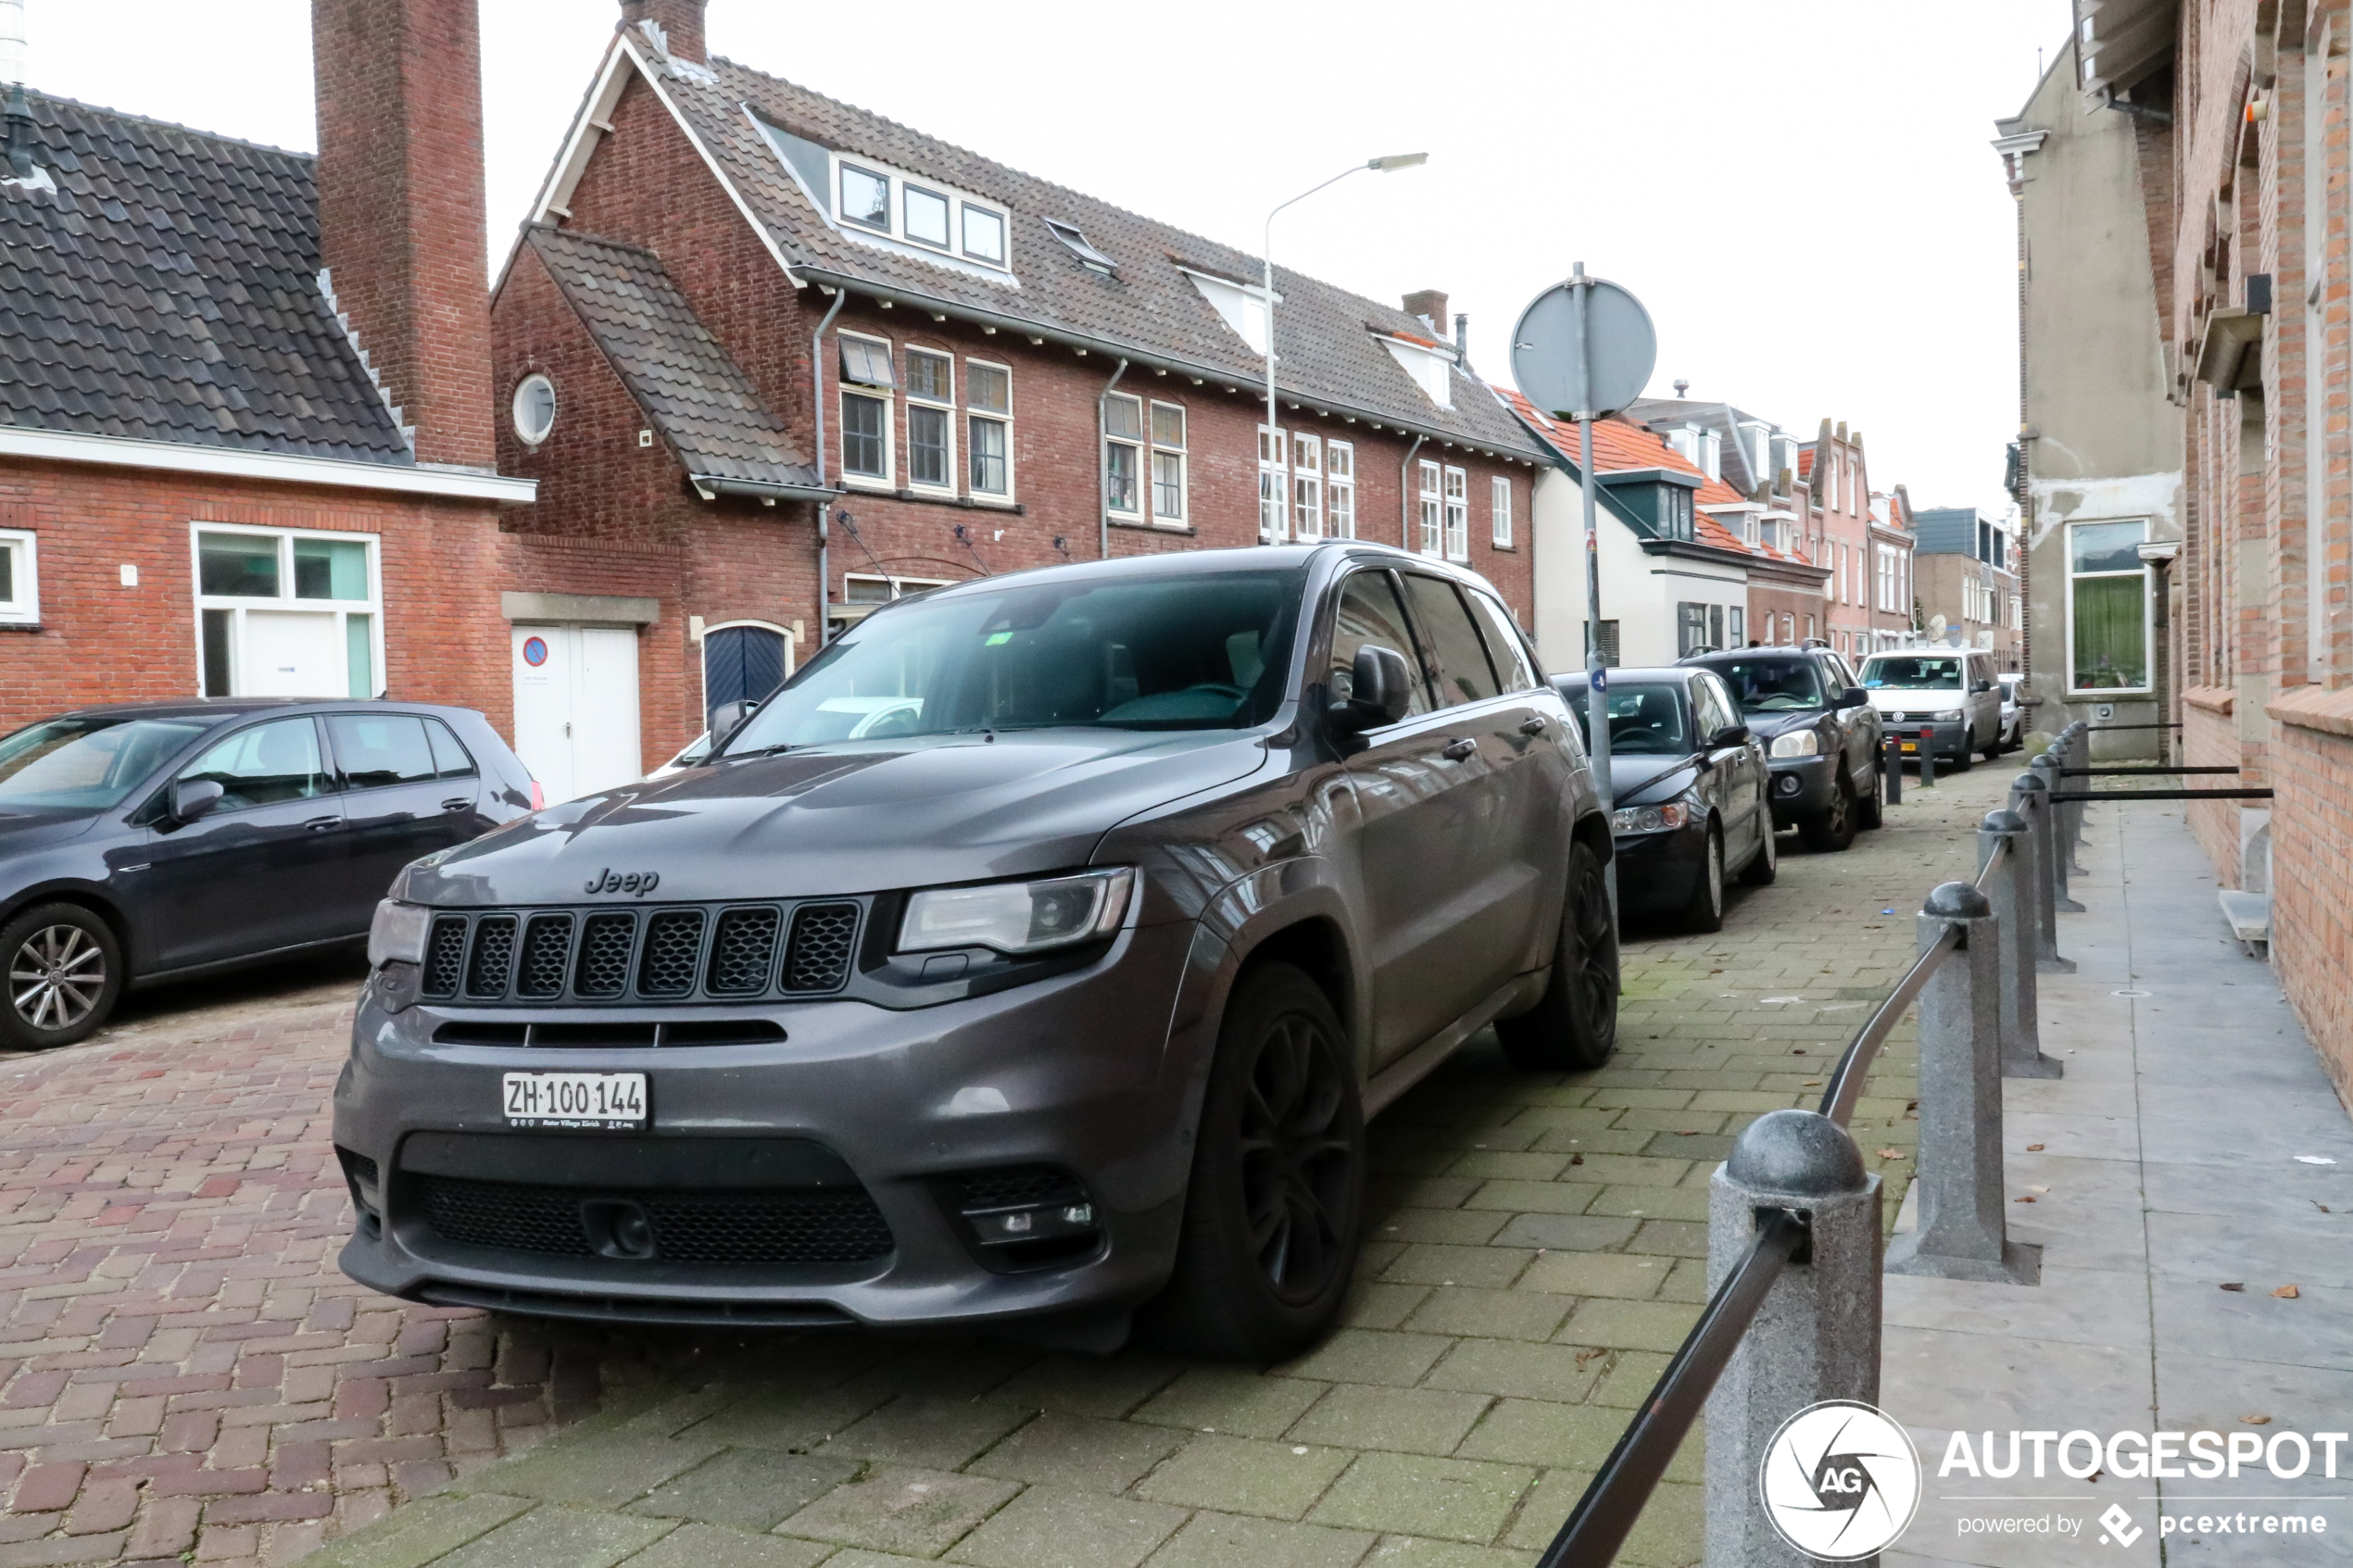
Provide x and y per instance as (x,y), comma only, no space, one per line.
(266,764)
(450,760)
(1711,709)
(1464,674)
(377,749)
(1369,613)
(1503,646)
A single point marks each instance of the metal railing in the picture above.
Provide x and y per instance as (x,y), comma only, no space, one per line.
(1793,1216)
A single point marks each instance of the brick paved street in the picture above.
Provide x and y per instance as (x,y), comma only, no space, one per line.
(184,1375)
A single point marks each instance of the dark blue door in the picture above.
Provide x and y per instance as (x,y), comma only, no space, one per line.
(740,664)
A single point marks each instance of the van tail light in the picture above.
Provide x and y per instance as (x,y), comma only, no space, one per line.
(538,795)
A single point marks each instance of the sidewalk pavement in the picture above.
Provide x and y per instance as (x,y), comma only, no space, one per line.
(2166,1179)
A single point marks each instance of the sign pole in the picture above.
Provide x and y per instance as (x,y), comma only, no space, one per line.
(1596,663)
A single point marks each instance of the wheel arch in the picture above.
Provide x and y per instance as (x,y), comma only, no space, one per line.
(88,897)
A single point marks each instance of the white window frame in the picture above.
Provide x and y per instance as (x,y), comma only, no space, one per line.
(946,408)
(1177,453)
(894,234)
(1307,486)
(373,607)
(1005,497)
(886,396)
(1457,514)
(1431,514)
(848,613)
(1274,486)
(1135,447)
(1340,489)
(1499,509)
(22,607)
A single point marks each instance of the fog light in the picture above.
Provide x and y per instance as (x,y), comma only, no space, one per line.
(1789,784)
(1028,1217)
(618,1228)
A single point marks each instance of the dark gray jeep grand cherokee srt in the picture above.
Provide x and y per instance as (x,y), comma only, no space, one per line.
(1063,988)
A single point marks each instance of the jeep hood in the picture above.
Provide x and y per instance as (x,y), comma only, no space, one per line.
(856,817)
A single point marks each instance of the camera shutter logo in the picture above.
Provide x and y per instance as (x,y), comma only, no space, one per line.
(1840,1481)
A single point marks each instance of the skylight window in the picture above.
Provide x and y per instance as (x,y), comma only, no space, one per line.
(1071,235)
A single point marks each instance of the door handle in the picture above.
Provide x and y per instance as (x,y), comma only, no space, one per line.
(320,824)
(1532,726)
(456,802)
(1460,750)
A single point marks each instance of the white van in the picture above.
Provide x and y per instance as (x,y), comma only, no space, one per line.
(1946,700)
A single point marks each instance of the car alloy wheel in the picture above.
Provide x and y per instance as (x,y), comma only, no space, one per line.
(1298,1165)
(57,977)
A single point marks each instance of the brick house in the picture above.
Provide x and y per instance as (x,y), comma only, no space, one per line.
(1894,543)
(244,422)
(1967,576)
(776,359)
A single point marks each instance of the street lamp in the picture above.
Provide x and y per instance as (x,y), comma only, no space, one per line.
(1389,165)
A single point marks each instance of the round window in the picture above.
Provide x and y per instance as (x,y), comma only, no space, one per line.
(535,409)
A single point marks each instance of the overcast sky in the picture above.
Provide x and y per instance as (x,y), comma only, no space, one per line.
(1801,191)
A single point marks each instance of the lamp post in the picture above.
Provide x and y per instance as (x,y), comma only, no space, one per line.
(1266,251)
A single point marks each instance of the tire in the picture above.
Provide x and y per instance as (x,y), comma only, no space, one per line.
(1965,761)
(1832,830)
(1574,1028)
(64,972)
(1766,864)
(1871,805)
(1995,747)
(1276,1198)
(1703,911)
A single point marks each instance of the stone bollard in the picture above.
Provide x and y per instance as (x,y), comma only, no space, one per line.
(2020,912)
(2029,799)
(2054,862)
(1927,759)
(1891,768)
(1817,1336)
(1960,1228)
(2078,753)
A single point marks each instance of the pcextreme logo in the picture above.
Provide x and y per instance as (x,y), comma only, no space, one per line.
(1840,1481)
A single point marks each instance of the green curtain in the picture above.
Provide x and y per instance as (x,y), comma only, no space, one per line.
(2111,642)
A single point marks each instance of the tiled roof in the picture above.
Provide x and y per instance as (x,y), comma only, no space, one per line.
(1721,418)
(697,397)
(168,290)
(1806,461)
(1327,352)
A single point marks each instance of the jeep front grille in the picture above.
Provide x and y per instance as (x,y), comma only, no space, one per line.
(662,953)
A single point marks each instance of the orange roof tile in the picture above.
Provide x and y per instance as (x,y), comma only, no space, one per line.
(1620,446)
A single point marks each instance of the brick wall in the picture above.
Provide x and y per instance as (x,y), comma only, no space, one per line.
(2210,739)
(102,642)
(2312,882)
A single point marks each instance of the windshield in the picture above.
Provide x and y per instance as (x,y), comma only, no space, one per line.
(1772,685)
(1911,673)
(1643,722)
(1139,653)
(87,764)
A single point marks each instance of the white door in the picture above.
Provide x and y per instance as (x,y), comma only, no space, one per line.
(286,654)
(576,707)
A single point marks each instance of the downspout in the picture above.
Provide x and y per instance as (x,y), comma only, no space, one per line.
(1405,494)
(1102,466)
(817,391)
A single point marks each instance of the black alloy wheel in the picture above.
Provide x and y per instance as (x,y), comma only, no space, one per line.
(1276,1199)
(1834,829)
(1703,911)
(1574,1026)
(64,977)
(1871,802)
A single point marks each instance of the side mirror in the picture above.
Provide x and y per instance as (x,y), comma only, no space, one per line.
(1380,690)
(1982,687)
(727,718)
(1731,734)
(192,798)
(1853,697)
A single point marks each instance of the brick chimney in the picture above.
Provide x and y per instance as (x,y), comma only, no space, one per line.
(680,20)
(1431,306)
(400,209)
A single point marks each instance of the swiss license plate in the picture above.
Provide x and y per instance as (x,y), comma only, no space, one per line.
(575,1099)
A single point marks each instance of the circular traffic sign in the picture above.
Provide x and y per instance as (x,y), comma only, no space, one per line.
(1553,351)
(535,651)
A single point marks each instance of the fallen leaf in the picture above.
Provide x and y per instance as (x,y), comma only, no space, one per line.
(2034,1148)
(2321,1207)
(1577,1159)
(1811,1084)
(2288,1293)
(1584,1356)
(1891,1154)
(2233,1284)
(1799,1051)
(2026,1199)
(1687,1132)
(2256,1420)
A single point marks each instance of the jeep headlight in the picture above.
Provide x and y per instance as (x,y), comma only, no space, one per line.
(1797,743)
(1018,917)
(398,934)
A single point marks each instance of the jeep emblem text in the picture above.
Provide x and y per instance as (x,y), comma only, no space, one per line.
(639,883)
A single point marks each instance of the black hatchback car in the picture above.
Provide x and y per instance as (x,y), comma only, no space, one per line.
(162,840)
(1036,952)
(1821,736)
(1690,792)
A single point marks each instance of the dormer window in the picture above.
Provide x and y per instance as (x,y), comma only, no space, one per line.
(893,208)
(985,235)
(926,216)
(1072,236)
(865,198)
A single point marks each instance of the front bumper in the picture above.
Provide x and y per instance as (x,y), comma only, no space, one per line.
(1656,870)
(1949,737)
(1083,1073)
(1803,788)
